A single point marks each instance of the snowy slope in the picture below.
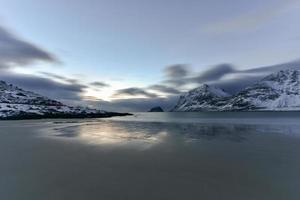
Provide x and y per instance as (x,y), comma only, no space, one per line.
(204,97)
(276,92)
(18,103)
(14,95)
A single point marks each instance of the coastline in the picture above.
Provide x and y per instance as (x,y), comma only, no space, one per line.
(27,116)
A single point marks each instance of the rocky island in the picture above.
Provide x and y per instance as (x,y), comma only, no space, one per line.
(156,109)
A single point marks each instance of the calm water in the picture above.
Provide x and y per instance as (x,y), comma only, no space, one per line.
(153,156)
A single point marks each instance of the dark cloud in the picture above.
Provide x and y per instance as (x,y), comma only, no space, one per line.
(176,71)
(178,83)
(164,89)
(134,92)
(99,84)
(45,86)
(15,51)
(176,75)
(214,73)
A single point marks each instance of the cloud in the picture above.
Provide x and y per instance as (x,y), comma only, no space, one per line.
(175,75)
(133,92)
(164,89)
(214,73)
(59,77)
(273,68)
(99,84)
(15,51)
(234,85)
(176,82)
(176,71)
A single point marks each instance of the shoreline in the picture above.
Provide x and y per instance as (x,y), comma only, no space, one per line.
(27,116)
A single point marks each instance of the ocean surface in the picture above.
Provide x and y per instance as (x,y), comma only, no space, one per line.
(210,156)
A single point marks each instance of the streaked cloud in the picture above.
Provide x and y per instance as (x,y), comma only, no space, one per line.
(214,73)
(60,77)
(176,71)
(133,92)
(15,51)
(164,89)
(99,84)
(176,74)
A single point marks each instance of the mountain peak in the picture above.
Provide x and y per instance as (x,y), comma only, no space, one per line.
(290,75)
(200,97)
(211,90)
(13,95)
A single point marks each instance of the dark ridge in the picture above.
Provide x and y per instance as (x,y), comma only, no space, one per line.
(156,109)
(23,116)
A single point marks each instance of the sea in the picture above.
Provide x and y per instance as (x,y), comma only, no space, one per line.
(169,155)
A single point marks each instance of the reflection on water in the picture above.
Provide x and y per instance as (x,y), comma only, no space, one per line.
(112,131)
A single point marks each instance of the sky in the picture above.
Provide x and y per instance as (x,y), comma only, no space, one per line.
(135,54)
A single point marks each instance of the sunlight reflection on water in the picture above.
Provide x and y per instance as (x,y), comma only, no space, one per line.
(126,131)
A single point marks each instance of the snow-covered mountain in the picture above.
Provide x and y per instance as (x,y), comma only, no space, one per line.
(11,94)
(205,97)
(16,103)
(276,92)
